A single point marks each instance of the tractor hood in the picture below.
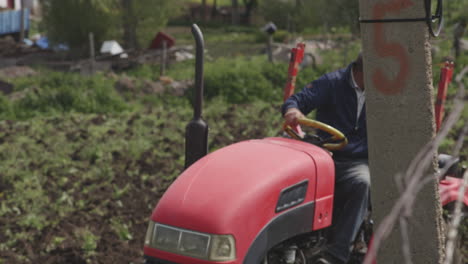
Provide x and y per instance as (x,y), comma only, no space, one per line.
(235,190)
(227,187)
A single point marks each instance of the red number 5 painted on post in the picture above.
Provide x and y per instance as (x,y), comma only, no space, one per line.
(386,49)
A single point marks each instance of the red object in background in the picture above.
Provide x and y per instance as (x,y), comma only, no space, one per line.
(11,4)
(449,188)
(157,42)
(445,78)
(297,54)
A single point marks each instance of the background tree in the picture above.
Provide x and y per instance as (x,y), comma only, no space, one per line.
(277,11)
(133,21)
(71,21)
(129,24)
(142,19)
(340,13)
(318,13)
(235,12)
(214,9)
(250,5)
(204,10)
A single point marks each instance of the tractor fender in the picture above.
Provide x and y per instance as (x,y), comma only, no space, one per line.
(284,226)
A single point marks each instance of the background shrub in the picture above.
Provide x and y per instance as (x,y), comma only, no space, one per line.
(246,80)
(57,92)
(71,21)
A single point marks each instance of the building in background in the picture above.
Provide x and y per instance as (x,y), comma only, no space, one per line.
(33,5)
(13,21)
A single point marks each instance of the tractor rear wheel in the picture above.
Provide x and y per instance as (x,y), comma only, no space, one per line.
(278,257)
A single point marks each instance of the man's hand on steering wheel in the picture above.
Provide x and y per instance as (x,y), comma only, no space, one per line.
(292,116)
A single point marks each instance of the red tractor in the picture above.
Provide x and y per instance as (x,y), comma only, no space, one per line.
(262,201)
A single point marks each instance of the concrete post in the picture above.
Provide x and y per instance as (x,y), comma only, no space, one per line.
(399,109)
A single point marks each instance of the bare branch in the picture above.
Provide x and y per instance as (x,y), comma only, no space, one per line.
(406,241)
(460,140)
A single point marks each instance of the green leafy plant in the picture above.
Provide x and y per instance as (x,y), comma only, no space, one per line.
(88,240)
(122,229)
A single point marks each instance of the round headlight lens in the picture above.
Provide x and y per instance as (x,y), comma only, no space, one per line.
(223,248)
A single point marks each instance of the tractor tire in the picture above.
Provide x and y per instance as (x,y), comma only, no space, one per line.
(276,258)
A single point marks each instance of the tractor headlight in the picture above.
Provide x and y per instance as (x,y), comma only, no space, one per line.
(149,233)
(222,248)
(190,243)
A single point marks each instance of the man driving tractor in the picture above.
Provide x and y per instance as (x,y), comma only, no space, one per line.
(339,98)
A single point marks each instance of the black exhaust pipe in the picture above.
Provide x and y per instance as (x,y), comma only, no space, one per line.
(196,132)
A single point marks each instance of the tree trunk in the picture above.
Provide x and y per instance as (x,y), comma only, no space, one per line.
(203,10)
(214,10)
(249,6)
(129,24)
(235,12)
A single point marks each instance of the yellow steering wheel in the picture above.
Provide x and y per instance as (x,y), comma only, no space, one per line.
(338,138)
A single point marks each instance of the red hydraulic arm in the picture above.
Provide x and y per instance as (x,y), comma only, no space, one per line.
(445,78)
(297,54)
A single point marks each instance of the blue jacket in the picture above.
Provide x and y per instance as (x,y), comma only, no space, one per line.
(336,102)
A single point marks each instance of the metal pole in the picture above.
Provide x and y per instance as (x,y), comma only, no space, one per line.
(270,48)
(196,133)
(21,39)
(91,52)
(163,58)
(198,70)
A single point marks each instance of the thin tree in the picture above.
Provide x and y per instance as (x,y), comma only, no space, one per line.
(129,24)
(214,10)
(235,12)
(204,10)
(250,5)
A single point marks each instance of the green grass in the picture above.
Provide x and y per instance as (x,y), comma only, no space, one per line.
(91,180)
(52,93)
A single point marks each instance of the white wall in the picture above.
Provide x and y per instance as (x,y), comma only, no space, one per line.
(3,3)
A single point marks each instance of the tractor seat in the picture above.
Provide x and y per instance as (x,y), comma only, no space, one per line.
(446,160)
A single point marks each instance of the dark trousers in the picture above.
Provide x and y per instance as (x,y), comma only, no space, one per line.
(352,187)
